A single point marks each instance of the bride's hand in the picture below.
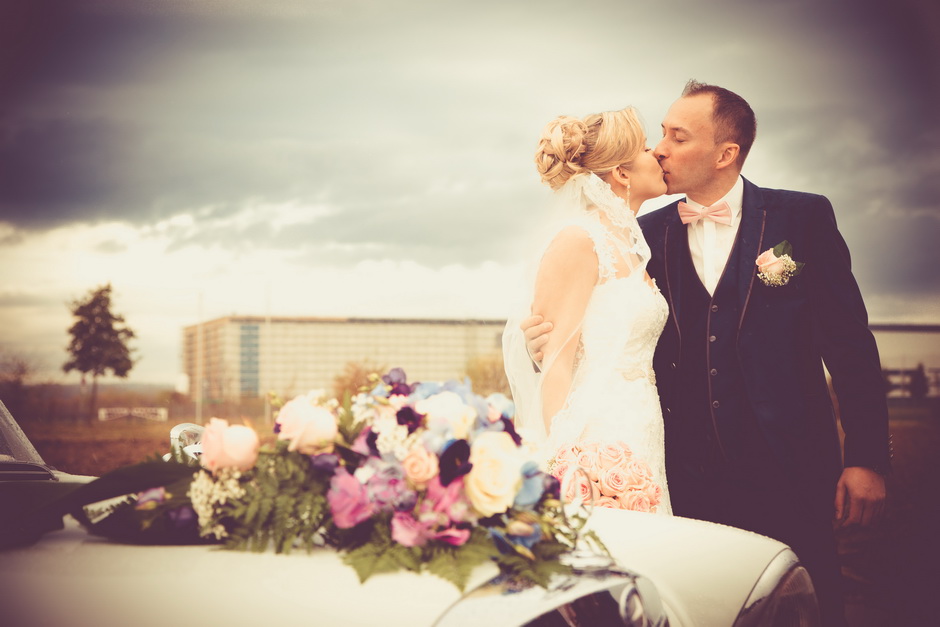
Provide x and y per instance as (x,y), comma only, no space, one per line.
(535,329)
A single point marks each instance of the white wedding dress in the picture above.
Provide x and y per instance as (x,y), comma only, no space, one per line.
(613,396)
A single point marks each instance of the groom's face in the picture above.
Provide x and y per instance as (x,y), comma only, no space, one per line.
(687,151)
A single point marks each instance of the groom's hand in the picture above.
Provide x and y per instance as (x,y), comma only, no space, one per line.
(860,497)
(536,331)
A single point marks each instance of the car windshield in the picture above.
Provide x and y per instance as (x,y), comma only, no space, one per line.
(14,445)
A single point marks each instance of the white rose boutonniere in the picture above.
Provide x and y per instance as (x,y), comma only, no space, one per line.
(775,265)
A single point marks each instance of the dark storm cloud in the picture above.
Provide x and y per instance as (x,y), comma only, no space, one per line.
(407,131)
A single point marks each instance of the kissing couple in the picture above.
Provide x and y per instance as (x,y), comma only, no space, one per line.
(693,338)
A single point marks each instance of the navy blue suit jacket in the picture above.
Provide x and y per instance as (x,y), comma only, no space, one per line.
(785,333)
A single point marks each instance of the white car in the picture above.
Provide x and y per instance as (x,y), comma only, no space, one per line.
(669,571)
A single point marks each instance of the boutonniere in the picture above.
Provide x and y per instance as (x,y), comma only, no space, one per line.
(776,266)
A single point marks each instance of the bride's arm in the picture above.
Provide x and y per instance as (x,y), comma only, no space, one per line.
(566,277)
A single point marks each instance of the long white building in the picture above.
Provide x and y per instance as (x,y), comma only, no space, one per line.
(239,357)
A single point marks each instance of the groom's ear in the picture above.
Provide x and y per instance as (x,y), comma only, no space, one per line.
(728,155)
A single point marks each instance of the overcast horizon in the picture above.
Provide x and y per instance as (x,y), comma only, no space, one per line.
(360,158)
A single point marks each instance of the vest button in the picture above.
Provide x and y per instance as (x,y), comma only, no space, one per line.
(673,365)
(714,307)
(713,372)
(716,404)
(712,338)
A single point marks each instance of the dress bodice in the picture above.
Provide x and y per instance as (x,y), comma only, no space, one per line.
(622,324)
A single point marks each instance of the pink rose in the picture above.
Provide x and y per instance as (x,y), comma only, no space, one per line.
(610,455)
(409,532)
(420,465)
(449,500)
(454,537)
(635,500)
(225,446)
(613,482)
(559,470)
(587,459)
(567,453)
(607,501)
(654,492)
(580,490)
(769,263)
(638,474)
(311,429)
(348,499)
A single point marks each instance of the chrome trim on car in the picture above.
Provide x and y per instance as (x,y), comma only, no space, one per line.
(185,441)
(614,597)
(759,607)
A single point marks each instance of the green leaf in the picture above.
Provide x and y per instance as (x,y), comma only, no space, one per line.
(783,248)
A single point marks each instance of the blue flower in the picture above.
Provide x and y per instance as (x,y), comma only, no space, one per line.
(533,486)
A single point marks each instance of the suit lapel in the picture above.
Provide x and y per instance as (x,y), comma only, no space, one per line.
(675,238)
(753,221)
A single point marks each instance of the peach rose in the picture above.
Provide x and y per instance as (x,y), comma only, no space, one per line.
(225,446)
(580,490)
(638,474)
(610,455)
(607,501)
(310,429)
(496,475)
(420,465)
(613,482)
(769,263)
(587,459)
(635,500)
(567,454)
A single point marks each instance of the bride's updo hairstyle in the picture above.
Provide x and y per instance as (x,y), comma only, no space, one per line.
(598,143)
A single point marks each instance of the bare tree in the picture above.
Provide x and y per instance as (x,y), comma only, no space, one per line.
(355,377)
(99,340)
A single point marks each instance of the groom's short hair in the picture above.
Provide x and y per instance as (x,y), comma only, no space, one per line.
(734,119)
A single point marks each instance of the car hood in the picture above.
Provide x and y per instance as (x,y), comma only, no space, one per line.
(69,573)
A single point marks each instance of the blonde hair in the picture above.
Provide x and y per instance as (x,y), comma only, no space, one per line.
(598,143)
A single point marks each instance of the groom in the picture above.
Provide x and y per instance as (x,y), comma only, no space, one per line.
(751,440)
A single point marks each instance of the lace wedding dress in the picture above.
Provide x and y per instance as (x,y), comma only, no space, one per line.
(613,397)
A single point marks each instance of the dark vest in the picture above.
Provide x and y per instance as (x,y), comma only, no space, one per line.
(719,435)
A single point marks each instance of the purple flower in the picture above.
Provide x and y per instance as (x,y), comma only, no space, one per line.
(149,499)
(386,485)
(509,428)
(409,417)
(348,499)
(455,461)
(182,517)
(326,462)
(397,381)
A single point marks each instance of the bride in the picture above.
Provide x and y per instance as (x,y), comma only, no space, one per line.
(594,403)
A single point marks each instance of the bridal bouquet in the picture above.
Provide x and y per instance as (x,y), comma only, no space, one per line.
(419,477)
(616,479)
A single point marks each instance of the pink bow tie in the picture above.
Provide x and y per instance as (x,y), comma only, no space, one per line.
(719,212)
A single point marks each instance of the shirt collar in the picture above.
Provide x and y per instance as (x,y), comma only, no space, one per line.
(734,198)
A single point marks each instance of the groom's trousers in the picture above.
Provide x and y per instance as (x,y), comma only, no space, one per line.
(758,503)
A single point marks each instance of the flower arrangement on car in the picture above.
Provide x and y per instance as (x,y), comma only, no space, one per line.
(417,477)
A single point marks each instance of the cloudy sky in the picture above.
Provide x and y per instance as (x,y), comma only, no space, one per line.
(374,157)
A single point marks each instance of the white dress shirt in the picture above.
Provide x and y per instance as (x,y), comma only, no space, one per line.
(710,243)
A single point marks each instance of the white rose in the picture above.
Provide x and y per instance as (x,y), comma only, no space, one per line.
(496,476)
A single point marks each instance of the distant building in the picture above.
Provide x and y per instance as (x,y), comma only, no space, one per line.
(240,357)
